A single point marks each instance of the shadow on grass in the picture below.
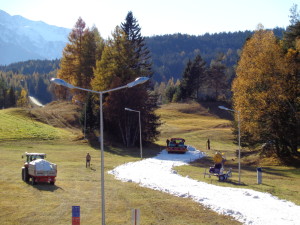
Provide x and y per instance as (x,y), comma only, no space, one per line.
(46,187)
(213,108)
(148,150)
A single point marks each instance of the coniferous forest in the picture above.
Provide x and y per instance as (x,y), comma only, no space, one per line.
(169,55)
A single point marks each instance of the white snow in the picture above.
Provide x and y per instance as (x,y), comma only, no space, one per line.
(245,205)
(35,101)
(42,165)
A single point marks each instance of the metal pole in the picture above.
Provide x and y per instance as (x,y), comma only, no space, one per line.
(137,81)
(102,161)
(84,120)
(239,128)
(140,134)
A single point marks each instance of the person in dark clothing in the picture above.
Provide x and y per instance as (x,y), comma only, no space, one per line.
(88,160)
(208,144)
(168,141)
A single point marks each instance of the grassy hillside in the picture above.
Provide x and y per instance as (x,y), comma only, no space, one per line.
(18,124)
(23,204)
(195,124)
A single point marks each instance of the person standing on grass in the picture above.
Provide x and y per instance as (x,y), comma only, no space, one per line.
(208,144)
(88,160)
(168,141)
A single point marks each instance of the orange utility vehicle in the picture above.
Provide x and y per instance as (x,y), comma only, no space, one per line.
(176,145)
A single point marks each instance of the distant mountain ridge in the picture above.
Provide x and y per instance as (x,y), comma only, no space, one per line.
(22,39)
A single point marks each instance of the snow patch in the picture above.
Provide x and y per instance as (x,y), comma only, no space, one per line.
(245,205)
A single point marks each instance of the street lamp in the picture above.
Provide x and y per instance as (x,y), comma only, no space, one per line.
(137,81)
(239,138)
(141,150)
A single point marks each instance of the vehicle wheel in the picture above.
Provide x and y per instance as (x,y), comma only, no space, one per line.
(26,175)
(221,178)
(23,172)
(52,182)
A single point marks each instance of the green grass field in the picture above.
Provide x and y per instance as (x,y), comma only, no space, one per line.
(23,204)
(281,181)
(16,124)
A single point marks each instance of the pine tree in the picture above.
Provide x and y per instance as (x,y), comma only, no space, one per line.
(186,82)
(294,17)
(198,72)
(137,42)
(3,89)
(125,57)
(292,83)
(216,76)
(11,97)
(194,77)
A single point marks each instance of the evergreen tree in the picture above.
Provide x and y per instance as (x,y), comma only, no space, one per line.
(294,17)
(216,76)
(198,72)
(292,81)
(186,82)
(124,59)
(169,93)
(3,89)
(194,77)
(11,97)
(138,44)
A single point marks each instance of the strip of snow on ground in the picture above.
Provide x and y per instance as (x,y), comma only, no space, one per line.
(35,101)
(245,205)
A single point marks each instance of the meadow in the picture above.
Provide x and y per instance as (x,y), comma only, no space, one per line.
(76,185)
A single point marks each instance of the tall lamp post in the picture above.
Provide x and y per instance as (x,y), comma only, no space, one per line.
(239,138)
(139,112)
(137,81)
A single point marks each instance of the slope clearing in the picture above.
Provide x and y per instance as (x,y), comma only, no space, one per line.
(23,204)
(18,124)
(196,125)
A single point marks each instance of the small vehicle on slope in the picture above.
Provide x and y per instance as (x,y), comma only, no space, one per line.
(38,169)
(218,168)
(176,145)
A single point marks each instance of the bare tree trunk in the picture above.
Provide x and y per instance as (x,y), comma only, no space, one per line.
(135,136)
(122,133)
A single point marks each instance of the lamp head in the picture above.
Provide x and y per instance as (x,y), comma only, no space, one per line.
(223,107)
(139,80)
(61,82)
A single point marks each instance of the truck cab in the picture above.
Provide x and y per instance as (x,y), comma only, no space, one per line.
(176,145)
(33,156)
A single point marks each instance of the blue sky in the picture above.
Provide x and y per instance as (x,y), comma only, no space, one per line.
(158,17)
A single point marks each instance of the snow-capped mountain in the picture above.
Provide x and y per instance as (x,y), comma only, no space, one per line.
(22,39)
